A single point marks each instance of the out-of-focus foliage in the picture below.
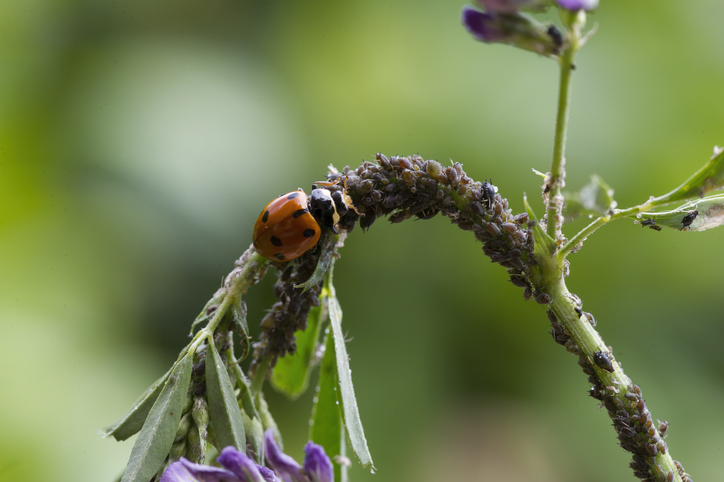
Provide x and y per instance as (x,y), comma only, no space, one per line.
(138,142)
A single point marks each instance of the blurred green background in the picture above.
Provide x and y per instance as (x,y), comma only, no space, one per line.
(139,141)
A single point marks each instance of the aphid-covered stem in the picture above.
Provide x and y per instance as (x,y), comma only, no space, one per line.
(412,187)
(636,430)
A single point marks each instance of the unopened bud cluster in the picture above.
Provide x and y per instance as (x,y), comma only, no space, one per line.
(191,435)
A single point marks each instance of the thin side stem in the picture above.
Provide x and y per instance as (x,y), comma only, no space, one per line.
(259,377)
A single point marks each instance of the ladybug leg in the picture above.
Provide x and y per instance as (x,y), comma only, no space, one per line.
(326,183)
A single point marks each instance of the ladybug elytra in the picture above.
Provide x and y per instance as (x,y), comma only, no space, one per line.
(290,225)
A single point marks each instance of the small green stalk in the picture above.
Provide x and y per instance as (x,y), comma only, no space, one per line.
(236,284)
(558,171)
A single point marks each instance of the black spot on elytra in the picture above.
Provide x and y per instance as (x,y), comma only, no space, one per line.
(308,233)
(265,218)
(299,212)
(276,241)
(293,195)
(279,256)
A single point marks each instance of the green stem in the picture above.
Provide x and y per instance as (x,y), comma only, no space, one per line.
(558,171)
(579,238)
(236,284)
(589,342)
(260,374)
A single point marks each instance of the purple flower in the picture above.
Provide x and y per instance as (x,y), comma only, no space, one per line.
(514,29)
(511,6)
(243,467)
(574,5)
(317,463)
(483,26)
(287,468)
(184,471)
(237,467)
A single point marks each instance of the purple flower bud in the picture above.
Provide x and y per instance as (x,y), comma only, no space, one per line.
(285,466)
(512,6)
(483,26)
(237,467)
(184,471)
(514,29)
(574,5)
(243,466)
(317,463)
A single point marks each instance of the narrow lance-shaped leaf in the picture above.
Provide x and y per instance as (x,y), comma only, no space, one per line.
(292,371)
(698,215)
(707,179)
(325,246)
(594,198)
(156,437)
(352,420)
(132,422)
(326,425)
(544,246)
(205,314)
(223,406)
(252,420)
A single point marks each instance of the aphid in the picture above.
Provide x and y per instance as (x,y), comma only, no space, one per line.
(556,36)
(603,361)
(688,219)
(543,298)
(488,193)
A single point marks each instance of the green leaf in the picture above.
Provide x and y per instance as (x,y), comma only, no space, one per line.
(707,179)
(207,313)
(326,248)
(292,371)
(267,420)
(595,198)
(698,215)
(352,420)
(544,244)
(238,312)
(132,422)
(326,425)
(223,406)
(254,435)
(156,437)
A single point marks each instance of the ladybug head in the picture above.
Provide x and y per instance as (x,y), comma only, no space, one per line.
(323,208)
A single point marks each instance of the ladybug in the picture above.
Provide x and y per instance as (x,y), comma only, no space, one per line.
(285,229)
(290,225)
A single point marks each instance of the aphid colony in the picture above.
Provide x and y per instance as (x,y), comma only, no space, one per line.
(291,224)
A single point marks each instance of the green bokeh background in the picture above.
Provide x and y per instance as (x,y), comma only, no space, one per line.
(139,140)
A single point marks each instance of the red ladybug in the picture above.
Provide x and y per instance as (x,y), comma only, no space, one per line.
(290,225)
(285,229)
